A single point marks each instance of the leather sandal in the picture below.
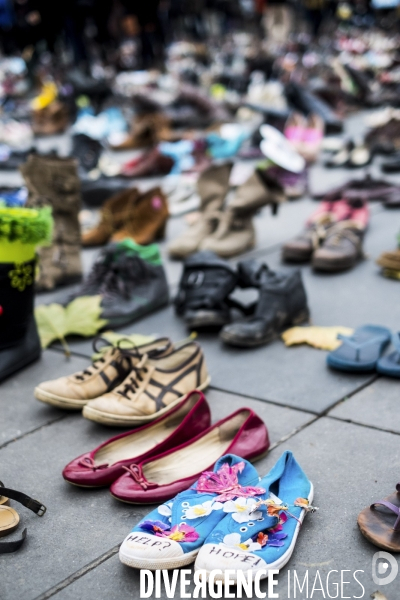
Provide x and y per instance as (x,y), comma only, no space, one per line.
(9,518)
(376,522)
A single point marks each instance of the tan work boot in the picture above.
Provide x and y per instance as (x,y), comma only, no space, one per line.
(105,374)
(147,220)
(212,186)
(114,214)
(153,388)
(234,235)
(255,193)
(53,181)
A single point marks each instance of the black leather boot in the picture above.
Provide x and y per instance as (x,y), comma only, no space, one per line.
(19,340)
(203,297)
(282,303)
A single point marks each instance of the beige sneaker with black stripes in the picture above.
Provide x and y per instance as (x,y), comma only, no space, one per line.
(154,387)
(105,374)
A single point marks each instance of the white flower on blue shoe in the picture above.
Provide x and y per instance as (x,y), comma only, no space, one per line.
(241,510)
(166,509)
(202,510)
(234,540)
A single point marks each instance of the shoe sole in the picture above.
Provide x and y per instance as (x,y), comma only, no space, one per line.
(160,563)
(284,559)
(106,419)
(303,317)
(334,266)
(58,401)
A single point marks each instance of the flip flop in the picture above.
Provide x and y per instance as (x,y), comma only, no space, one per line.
(9,518)
(361,351)
(376,522)
(390,364)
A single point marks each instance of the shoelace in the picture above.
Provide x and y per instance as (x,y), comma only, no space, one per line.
(339,233)
(132,384)
(121,355)
(136,472)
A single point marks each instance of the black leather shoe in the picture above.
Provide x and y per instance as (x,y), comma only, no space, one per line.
(204,289)
(19,340)
(282,303)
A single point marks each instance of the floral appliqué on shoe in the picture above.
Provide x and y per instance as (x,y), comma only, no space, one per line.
(21,276)
(179,533)
(225,483)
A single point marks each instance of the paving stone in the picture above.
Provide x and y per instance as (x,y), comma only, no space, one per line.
(344,462)
(20,412)
(377,405)
(80,525)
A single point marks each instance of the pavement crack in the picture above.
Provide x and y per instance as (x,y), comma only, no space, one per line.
(26,433)
(78,574)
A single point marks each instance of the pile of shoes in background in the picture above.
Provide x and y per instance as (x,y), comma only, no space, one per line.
(108,150)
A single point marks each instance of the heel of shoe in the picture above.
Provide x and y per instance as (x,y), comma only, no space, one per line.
(274,208)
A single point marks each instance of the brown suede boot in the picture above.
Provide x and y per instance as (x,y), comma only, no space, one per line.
(53,181)
(50,120)
(212,186)
(115,212)
(147,220)
(147,130)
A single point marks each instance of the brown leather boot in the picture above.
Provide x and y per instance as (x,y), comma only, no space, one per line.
(114,214)
(53,181)
(147,220)
(50,120)
(147,130)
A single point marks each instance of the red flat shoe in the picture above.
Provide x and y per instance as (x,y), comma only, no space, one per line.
(160,478)
(106,463)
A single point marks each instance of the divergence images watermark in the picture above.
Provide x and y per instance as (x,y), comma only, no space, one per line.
(241,584)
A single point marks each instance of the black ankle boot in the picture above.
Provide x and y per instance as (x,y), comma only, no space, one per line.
(19,340)
(282,303)
(203,297)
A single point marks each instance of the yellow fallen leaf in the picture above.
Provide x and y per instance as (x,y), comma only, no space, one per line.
(80,317)
(323,338)
(378,596)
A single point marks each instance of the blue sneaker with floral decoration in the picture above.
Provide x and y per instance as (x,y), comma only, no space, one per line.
(260,533)
(172,534)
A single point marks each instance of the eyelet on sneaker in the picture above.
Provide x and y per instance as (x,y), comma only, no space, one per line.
(185,504)
(243,529)
(250,524)
(261,519)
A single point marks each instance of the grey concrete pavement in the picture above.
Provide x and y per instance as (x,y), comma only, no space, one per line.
(344,429)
